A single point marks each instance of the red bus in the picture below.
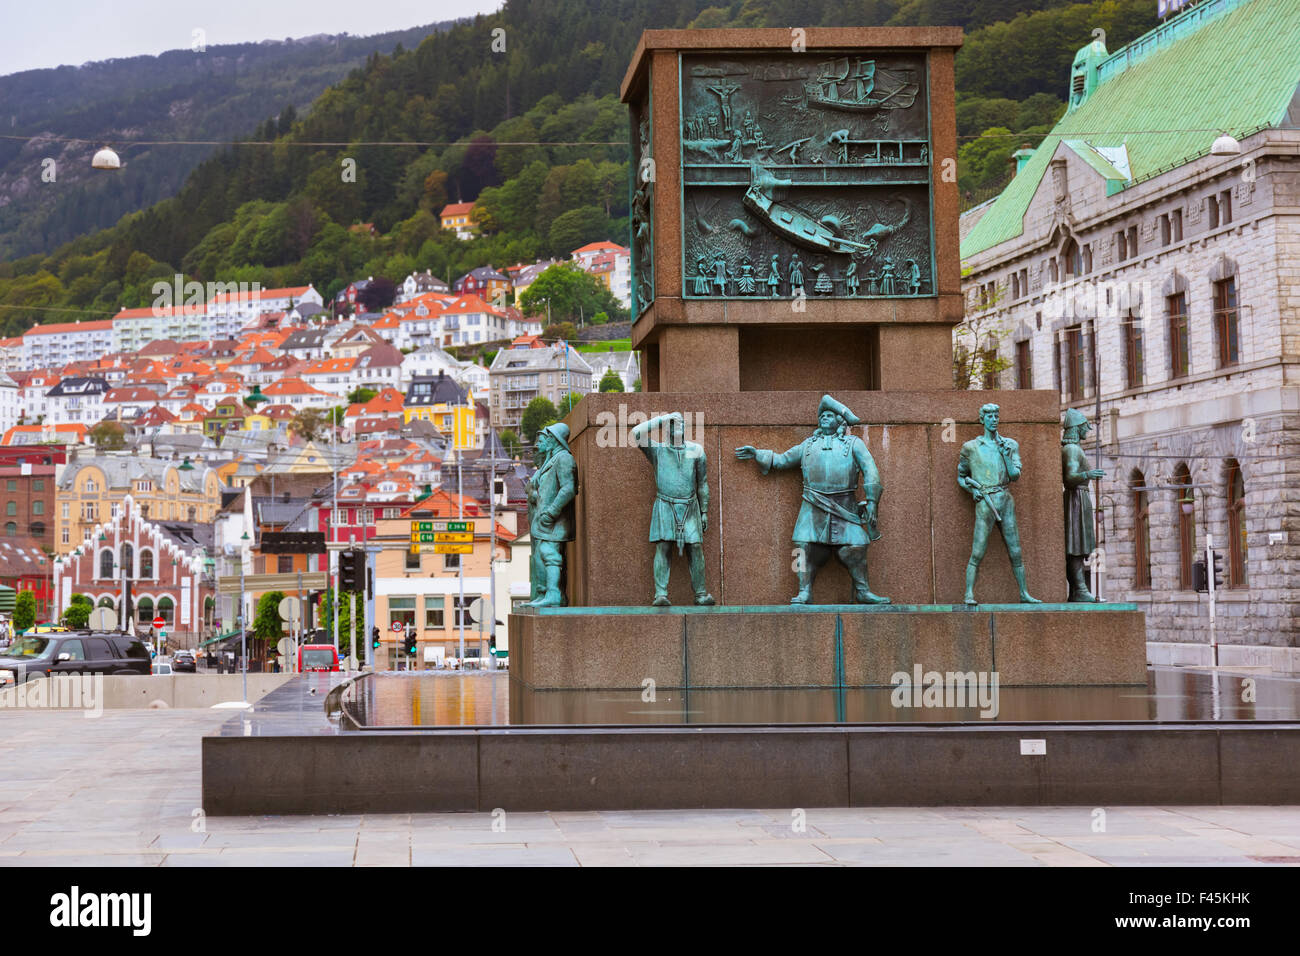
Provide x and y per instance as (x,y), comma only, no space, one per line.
(317,657)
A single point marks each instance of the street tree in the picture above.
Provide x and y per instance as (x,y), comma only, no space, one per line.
(539,413)
(24,611)
(611,381)
(108,436)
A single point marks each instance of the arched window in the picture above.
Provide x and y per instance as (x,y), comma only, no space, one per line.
(1236,526)
(146,563)
(144,610)
(193,513)
(38,529)
(1141,530)
(166,610)
(1072,259)
(107,601)
(106,563)
(1186,524)
(128,558)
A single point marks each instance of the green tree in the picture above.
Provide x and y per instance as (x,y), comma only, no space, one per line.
(611,381)
(539,413)
(573,295)
(267,625)
(361,395)
(108,436)
(24,611)
(560,330)
(600,318)
(568,401)
(310,424)
(510,441)
(77,614)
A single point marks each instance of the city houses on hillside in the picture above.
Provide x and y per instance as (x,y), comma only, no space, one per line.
(11,354)
(166,563)
(1154,272)
(55,345)
(91,489)
(446,404)
(484,282)
(523,275)
(76,399)
(625,366)
(458,218)
(11,402)
(228,313)
(135,328)
(418,283)
(611,264)
(520,374)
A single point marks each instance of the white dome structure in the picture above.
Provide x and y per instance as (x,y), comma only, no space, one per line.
(106,159)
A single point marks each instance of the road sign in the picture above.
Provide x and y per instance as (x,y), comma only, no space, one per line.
(478,609)
(453,525)
(449,537)
(289,610)
(453,549)
(285,647)
(397,627)
(103,619)
(160,622)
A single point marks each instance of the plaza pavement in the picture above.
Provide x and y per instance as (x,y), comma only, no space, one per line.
(123,790)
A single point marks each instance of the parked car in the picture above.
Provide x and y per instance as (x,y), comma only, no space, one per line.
(183,661)
(162,668)
(78,652)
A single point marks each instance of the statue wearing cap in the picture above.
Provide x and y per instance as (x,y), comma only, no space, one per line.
(830,517)
(987,467)
(1080,539)
(680,513)
(551,491)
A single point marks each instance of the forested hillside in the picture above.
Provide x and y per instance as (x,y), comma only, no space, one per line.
(534,133)
(215,94)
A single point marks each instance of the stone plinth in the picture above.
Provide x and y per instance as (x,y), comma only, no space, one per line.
(826,646)
(926,520)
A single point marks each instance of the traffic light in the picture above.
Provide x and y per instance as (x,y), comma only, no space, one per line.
(1217,558)
(1200,582)
(374,638)
(351,566)
(410,643)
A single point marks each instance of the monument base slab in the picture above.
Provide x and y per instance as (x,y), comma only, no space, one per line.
(825,646)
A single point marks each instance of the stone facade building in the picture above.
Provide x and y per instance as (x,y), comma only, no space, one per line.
(1145,263)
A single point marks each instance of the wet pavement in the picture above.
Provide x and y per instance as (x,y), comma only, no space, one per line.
(124,789)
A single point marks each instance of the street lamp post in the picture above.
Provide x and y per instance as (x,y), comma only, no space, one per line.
(243,629)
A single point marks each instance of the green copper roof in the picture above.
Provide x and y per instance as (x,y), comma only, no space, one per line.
(1237,71)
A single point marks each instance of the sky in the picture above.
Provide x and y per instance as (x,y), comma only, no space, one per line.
(76,31)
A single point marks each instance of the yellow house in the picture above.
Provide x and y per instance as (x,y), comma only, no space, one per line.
(446,404)
(253,422)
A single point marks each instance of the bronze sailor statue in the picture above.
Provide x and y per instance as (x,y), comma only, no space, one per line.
(830,517)
(1080,538)
(680,514)
(551,491)
(987,467)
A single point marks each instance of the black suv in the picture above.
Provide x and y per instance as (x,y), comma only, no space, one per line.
(75,652)
(184,661)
